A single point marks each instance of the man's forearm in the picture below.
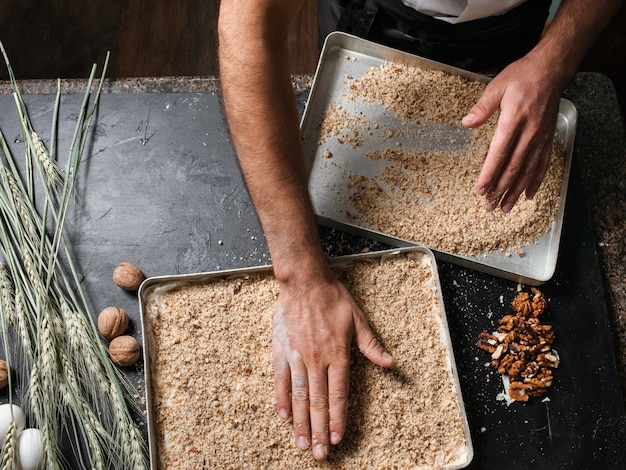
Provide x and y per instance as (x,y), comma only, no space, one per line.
(576,25)
(263,120)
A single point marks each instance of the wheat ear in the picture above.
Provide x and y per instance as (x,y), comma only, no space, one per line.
(9,450)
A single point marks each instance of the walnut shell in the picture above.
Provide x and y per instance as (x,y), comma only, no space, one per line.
(124,350)
(4,374)
(112,322)
(128,276)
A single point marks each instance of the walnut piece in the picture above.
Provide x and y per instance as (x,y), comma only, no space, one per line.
(112,322)
(128,276)
(487,342)
(521,349)
(124,350)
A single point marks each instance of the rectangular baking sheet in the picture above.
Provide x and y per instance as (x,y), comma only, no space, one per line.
(153,288)
(344,56)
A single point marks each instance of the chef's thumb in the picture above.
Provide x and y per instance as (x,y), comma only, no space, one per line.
(369,345)
(486,106)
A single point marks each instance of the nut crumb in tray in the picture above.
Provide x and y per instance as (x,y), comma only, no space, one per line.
(425,194)
(212,378)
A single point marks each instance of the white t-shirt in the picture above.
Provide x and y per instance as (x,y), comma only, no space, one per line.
(457,11)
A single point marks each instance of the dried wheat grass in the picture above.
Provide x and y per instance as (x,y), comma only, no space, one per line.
(70,388)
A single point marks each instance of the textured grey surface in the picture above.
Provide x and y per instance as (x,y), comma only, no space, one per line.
(161,188)
(601,151)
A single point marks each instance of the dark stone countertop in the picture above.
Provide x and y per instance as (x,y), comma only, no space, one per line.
(603,166)
(599,152)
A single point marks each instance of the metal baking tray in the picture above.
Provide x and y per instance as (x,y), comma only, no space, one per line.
(154,287)
(344,56)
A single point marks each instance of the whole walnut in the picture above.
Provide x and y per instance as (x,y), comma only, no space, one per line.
(124,350)
(4,374)
(128,276)
(112,322)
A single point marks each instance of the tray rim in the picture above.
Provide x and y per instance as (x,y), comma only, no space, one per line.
(173,281)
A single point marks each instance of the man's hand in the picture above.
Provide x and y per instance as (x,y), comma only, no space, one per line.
(316,319)
(520,150)
(527,94)
(315,322)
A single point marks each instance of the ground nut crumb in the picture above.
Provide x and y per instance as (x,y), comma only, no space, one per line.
(212,378)
(347,128)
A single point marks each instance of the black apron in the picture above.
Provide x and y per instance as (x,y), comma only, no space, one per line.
(486,44)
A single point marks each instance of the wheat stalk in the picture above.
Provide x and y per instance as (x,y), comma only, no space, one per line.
(7,317)
(94,431)
(50,382)
(7,300)
(71,383)
(24,329)
(50,167)
(9,454)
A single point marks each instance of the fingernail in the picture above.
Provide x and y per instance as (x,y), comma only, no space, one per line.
(320,451)
(387,358)
(506,207)
(482,190)
(470,118)
(283,413)
(335,438)
(303,443)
